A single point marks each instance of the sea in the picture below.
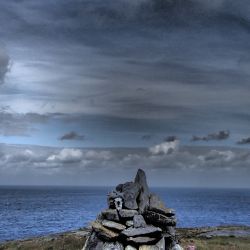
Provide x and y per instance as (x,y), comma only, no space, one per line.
(36,211)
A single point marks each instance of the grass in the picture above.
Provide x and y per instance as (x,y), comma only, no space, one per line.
(218,243)
(76,240)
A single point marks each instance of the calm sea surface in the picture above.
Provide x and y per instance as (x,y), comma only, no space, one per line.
(33,211)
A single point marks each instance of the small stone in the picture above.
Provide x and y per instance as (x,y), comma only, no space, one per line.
(130,248)
(113,225)
(113,246)
(129,223)
(103,232)
(149,230)
(126,213)
(111,214)
(142,240)
(139,221)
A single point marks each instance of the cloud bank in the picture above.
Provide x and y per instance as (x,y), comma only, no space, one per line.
(187,166)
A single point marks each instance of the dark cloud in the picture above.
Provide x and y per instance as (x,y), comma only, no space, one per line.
(72,136)
(221,135)
(244,141)
(15,124)
(171,138)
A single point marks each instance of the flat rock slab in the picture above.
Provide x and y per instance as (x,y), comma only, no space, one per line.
(133,232)
(141,240)
(113,225)
(127,213)
(111,214)
(104,232)
(159,219)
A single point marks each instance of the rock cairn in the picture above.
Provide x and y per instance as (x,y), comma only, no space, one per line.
(135,219)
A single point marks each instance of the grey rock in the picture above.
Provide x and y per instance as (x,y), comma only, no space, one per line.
(149,230)
(103,232)
(93,242)
(113,246)
(113,225)
(141,240)
(127,214)
(143,199)
(111,214)
(130,248)
(139,221)
(129,223)
(159,219)
(130,192)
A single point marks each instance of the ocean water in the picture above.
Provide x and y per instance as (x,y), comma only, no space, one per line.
(34,211)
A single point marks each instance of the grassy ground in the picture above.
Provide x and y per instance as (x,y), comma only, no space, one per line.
(65,241)
(189,237)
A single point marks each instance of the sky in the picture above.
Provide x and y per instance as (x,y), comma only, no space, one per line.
(93,87)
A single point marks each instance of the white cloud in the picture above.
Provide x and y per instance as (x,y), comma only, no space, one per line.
(164,148)
(66,155)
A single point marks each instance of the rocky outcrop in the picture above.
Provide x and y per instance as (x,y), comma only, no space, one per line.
(135,220)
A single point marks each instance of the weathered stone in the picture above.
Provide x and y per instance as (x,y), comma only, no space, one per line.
(113,225)
(139,221)
(113,246)
(159,219)
(111,214)
(143,199)
(103,232)
(130,192)
(129,223)
(141,240)
(130,248)
(93,242)
(149,230)
(128,214)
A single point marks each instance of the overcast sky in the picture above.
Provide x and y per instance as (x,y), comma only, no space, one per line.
(171,76)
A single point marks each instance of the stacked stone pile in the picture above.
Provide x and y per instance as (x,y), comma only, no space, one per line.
(135,219)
